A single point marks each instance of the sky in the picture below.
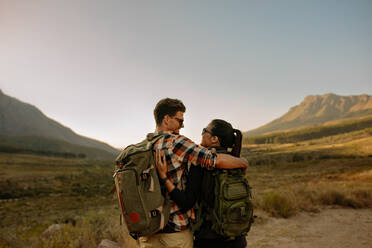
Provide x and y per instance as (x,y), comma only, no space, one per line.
(100,67)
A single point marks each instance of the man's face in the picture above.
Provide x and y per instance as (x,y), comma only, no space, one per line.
(175,123)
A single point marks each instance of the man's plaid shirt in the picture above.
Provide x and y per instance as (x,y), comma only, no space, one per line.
(181,153)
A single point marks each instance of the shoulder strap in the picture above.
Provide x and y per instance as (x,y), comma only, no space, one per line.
(152,138)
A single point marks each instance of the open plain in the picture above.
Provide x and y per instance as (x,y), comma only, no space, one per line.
(309,194)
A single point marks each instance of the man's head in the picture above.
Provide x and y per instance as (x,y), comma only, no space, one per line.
(168,114)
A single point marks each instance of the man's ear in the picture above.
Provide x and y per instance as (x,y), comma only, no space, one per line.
(166,120)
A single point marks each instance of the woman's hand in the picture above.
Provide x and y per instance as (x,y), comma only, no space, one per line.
(162,167)
(245,168)
(161,164)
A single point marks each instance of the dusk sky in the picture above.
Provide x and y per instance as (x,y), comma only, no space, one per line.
(99,67)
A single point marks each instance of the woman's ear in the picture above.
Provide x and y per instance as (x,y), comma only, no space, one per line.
(215,140)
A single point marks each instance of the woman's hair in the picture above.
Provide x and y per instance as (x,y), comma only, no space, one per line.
(227,135)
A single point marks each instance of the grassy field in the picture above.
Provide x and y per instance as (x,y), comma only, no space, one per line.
(305,176)
(37,192)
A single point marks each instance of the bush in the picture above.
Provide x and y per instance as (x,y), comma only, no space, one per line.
(334,194)
(333,197)
(278,204)
(362,198)
(88,232)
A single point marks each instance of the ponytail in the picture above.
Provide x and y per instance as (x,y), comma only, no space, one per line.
(228,136)
(237,146)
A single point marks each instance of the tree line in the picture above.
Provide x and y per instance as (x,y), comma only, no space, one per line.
(13,149)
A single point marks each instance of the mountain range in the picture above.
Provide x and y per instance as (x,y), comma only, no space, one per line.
(19,119)
(23,127)
(317,110)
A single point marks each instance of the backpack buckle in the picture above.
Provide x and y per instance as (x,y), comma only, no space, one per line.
(154,213)
(144,176)
(134,235)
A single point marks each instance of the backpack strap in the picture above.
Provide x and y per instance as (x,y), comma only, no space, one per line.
(152,139)
(164,210)
(206,198)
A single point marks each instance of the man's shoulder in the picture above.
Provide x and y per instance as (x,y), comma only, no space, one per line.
(170,139)
(164,135)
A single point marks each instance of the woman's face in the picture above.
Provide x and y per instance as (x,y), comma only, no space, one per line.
(208,139)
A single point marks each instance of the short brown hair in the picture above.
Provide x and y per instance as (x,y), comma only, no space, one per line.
(167,106)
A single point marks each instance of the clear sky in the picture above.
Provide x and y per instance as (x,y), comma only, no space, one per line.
(99,67)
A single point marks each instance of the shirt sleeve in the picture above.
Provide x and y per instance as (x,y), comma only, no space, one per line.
(192,154)
(186,199)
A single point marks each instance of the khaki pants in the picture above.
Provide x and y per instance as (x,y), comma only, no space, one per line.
(183,239)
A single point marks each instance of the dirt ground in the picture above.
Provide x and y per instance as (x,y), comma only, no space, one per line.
(339,228)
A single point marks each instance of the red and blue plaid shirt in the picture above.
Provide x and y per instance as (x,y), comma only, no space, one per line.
(181,153)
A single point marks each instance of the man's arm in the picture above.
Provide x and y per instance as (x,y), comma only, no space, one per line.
(226,161)
(201,156)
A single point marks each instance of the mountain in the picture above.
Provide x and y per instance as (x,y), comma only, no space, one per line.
(22,119)
(317,110)
(348,128)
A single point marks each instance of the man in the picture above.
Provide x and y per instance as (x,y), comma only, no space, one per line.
(181,153)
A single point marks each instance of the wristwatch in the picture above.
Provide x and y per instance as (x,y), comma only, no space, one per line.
(163,180)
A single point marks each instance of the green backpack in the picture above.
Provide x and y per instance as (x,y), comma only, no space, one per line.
(226,203)
(144,207)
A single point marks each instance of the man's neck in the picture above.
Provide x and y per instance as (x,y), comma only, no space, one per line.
(164,130)
(161,129)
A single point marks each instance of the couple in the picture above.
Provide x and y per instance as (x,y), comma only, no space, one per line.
(180,164)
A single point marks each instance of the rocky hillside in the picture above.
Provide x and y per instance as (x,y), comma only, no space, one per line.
(318,109)
(22,119)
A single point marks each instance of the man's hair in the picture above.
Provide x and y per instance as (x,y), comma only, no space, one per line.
(167,106)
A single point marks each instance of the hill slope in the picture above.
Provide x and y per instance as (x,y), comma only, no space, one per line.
(22,119)
(309,133)
(50,147)
(318,109)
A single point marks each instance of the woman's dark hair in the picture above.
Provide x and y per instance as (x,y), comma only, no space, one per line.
(167,106)
(227,135)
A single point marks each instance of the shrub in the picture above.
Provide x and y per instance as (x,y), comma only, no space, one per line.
(334,194)
(278,204)
(362,197)
(333,197)
(88,232)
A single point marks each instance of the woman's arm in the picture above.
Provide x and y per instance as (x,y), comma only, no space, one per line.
(185,199)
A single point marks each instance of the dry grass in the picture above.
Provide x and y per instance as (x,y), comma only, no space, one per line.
(344,146)
(286,189)
(87,231)
(278,204)
(306,176)
(74,193)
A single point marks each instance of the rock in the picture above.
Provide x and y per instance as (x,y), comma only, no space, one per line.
(52,229)
(108,244)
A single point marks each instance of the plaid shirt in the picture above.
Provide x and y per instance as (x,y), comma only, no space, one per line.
(181,153)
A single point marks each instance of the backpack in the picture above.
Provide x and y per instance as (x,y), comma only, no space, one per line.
(144,207)
(226,204)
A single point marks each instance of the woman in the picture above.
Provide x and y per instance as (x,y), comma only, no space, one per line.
(220,135)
